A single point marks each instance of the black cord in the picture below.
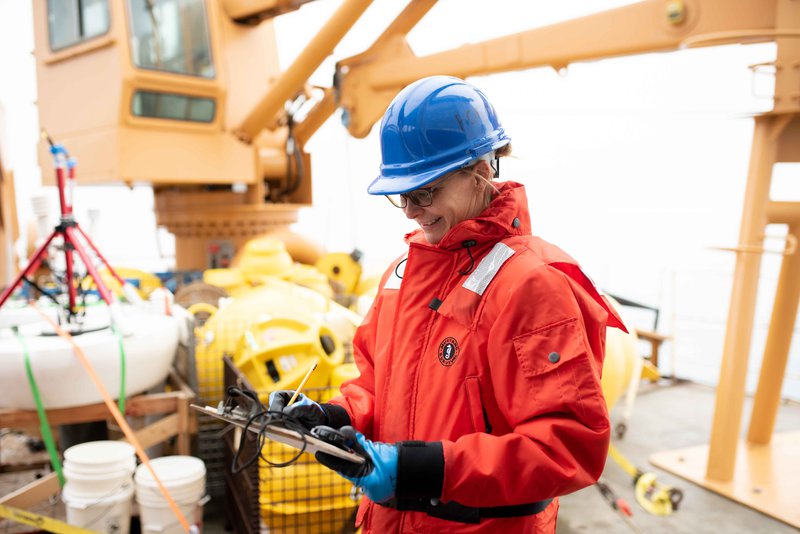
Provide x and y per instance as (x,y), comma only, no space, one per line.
(40,290)
(396,272)
(467,244)
(294,177)
(233,391)
(82,293)
(286,422)
(264,418)
(299,170)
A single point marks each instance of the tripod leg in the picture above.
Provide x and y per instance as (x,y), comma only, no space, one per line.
(128,289)
(70,282)
(100,255)
(33,264)
(70,239)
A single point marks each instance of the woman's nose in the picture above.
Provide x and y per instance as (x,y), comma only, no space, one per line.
(411,210)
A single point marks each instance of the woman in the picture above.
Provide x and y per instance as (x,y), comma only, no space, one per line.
(479,400)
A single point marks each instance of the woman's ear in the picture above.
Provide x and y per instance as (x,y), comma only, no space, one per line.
(483,171)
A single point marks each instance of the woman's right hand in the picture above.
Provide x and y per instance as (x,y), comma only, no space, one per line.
(304,410)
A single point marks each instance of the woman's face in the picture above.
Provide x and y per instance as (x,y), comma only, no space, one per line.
(457,196)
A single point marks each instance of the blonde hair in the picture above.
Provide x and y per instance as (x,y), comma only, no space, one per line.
(503,151)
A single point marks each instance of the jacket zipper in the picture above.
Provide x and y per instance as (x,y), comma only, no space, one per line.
(425,346)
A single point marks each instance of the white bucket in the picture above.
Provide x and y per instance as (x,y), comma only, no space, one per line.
(158,518)
(96,485)
(185,479)
(99,457)
(110,513)
(98,468)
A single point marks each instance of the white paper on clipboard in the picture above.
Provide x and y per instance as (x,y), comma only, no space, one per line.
(286,436)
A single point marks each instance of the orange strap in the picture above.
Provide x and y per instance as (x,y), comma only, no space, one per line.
(123,424)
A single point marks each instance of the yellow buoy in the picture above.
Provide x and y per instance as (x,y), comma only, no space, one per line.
(276,354)
(342,268)
(619,364)
(144,282)
(310,277)
(221,334)
(262,257)
(231,280)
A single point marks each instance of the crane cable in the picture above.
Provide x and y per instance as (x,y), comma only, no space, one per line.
(120,419)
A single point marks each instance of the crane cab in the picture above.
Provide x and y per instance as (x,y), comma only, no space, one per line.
(150,91)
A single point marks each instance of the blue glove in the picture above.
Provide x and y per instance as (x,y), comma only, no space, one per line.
(304,410)
(377,476)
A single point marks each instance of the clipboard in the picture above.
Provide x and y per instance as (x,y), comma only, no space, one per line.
(286,436)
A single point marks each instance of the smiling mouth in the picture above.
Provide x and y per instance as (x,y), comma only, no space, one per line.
(429,224)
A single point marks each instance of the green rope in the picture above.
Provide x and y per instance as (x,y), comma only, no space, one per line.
(121,400)
(44,425)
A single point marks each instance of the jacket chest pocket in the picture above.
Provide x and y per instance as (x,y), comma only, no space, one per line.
(480,423)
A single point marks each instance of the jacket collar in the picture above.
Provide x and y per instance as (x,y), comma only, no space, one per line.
(496,222)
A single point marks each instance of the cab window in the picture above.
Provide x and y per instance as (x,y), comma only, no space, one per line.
(156,105)
(70,22)
(171,36)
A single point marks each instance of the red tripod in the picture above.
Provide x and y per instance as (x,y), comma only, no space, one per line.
(69,231)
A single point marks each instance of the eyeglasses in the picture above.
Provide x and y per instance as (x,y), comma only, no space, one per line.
(422,197)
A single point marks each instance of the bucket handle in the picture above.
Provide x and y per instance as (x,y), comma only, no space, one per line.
(98,500)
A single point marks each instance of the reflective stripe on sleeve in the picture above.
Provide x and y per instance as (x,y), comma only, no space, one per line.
(396,278)
(480,278)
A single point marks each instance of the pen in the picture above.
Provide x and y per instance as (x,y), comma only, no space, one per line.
(303,383)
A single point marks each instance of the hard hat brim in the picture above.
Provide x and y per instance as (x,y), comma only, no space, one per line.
(392,184)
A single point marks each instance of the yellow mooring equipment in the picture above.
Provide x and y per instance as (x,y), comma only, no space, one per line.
(654,497)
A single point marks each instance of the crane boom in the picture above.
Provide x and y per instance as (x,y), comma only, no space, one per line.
(370,80)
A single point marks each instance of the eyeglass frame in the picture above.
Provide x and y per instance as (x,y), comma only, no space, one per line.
(494,163)
(426,191)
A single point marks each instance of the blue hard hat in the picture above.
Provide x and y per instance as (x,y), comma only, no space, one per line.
(432,127)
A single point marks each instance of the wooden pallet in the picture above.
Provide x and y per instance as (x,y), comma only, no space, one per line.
(179,422)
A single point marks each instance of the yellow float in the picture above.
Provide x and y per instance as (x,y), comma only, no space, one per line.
(144,282)
(342,268)
(275,299)
(277,353)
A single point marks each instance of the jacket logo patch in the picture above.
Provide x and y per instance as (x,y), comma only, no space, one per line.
(448,351)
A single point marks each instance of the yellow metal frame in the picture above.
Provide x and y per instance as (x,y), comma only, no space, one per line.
(761,471)
(254,11)
(291,81)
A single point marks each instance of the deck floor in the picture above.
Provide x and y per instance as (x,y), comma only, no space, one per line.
(670,417)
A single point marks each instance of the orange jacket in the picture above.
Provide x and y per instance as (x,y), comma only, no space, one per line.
(496,372)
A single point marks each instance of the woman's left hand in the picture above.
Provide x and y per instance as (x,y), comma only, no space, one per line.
(377,476)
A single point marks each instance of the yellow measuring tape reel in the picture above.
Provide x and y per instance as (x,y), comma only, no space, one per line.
(656,498)
(41,522)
